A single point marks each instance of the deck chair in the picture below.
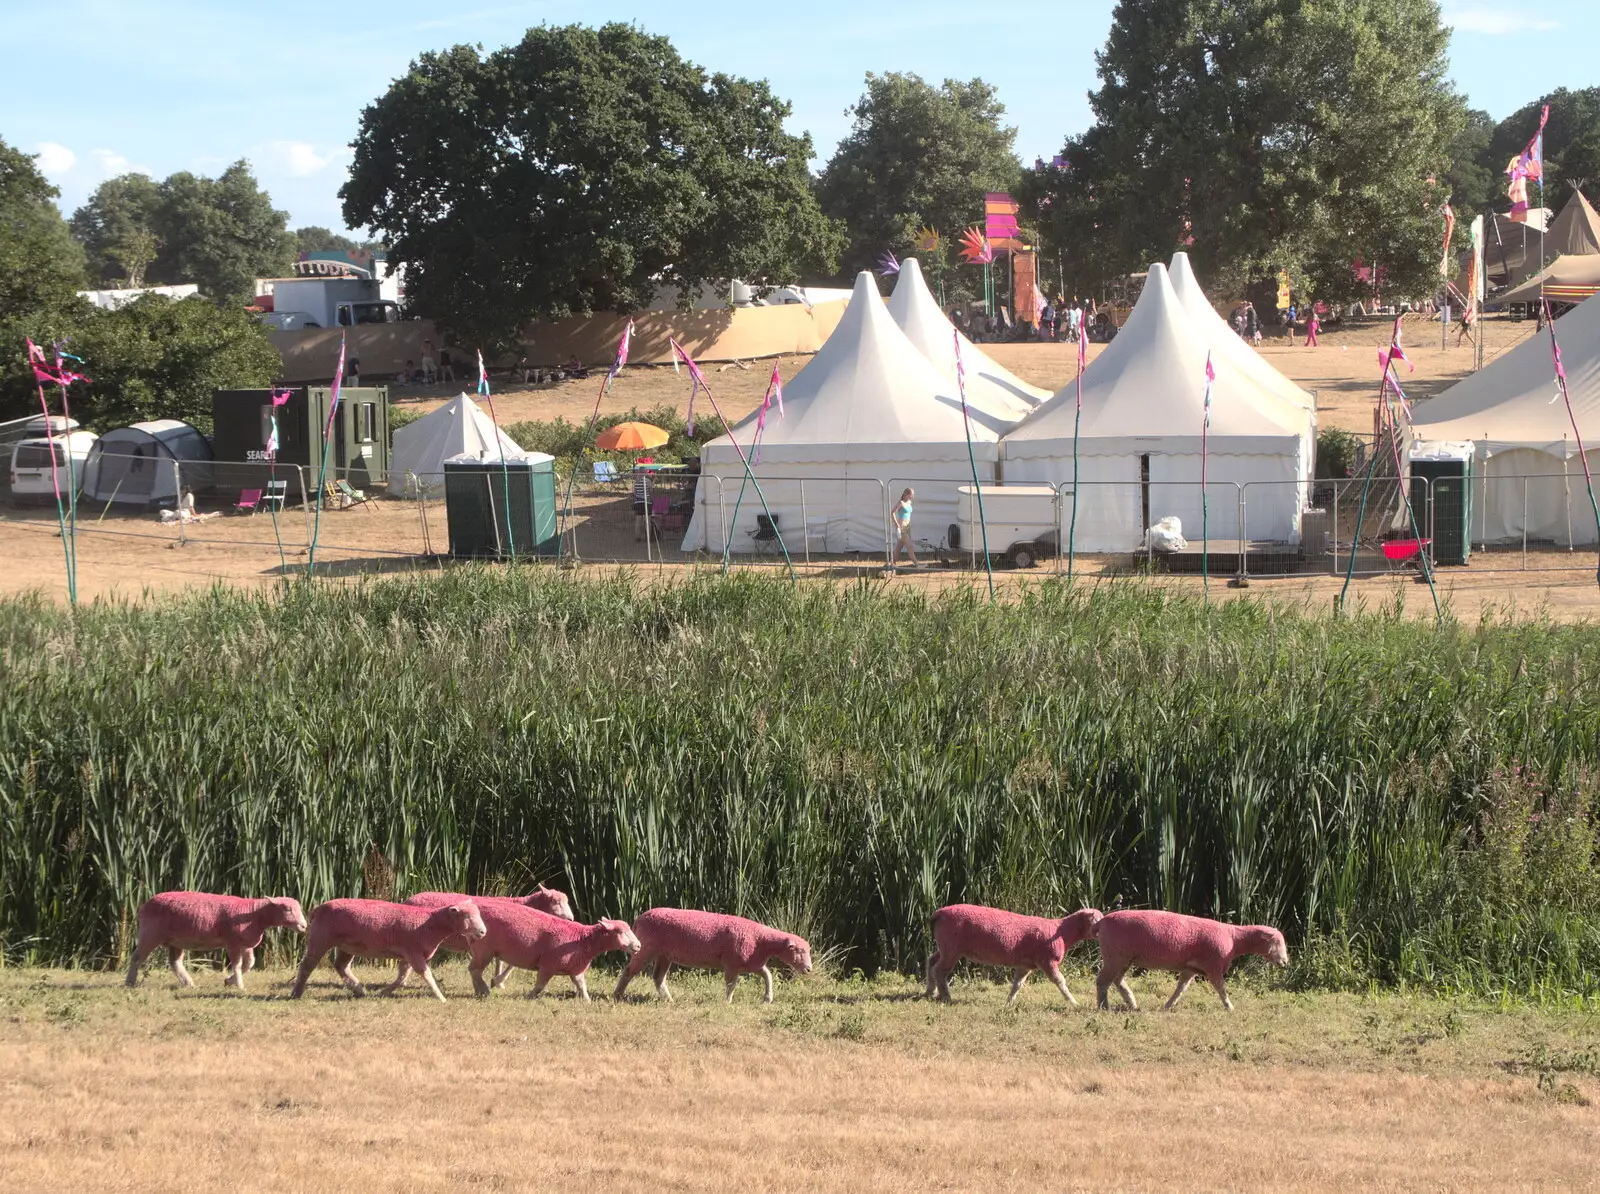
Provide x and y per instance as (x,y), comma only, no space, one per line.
(355,497)
(605,471)
(249,499)
(765,536)
(277,493)
(1404,553)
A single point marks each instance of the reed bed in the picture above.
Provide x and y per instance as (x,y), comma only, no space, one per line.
(1414,805)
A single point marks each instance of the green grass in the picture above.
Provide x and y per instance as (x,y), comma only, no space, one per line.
(1415,806)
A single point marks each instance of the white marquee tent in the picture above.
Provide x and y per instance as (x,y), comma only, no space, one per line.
(1139,453)
(1528,479)
(990,388)
(459,427)
(868,416)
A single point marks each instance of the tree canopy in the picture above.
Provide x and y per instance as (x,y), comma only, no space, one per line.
(579,170)
(219,233)
(314,238)
(918,155)
(1262,135)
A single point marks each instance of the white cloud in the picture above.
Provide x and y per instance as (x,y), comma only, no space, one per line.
(55,159)
(300,159)
(1497,22)
(110,163)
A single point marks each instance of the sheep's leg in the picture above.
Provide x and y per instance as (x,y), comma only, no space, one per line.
(634,966)
(946,969)
(663,965)
(502,971)
(433,983)
(1222,991)
(1060,980)
(307,965)
(249,963)
(341,965)
(235,969)
(140,953)
(479,987)
(766,974)
(538,987)
(175,960)
(582,985)
(1018,977)
(401,975)
(1127,995)
(730,980)
(1183,985)
(932,987)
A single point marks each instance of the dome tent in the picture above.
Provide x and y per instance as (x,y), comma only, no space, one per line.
(1527,481)
(147,464)
(1139,451)
(867,414)
(990,388)
(458,428)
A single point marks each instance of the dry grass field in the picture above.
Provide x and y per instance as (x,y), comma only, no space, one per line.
(839,1085)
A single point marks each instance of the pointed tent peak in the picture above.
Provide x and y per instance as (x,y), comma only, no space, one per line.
(1576,231)
(925,323)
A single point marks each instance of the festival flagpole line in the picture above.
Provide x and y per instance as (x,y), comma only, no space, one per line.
(322,471)
(1077,423)
(505,470)
(279,398)
(774,390)
(61,376)
(1566,398)
(972,459)
(617,363)
(1205,514)
(699,379)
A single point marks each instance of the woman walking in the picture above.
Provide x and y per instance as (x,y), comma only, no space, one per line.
(902,524)
(1313,326)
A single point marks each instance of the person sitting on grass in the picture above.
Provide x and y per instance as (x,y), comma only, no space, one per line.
(574,367)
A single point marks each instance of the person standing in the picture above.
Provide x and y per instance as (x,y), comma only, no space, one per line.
(1252,323)
(447,368)
(1289,317)
(902,525)
(1312,326)
(430,369)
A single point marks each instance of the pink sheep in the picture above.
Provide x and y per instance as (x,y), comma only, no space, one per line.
(183,920)
(995,937)
(532,940)
(546,899)
(1190,946)
(682,937)
(379,929)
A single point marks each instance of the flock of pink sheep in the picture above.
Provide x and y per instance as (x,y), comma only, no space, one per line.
(538,932)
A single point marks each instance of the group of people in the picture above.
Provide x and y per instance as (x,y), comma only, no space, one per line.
(1065,320)
(1246,322)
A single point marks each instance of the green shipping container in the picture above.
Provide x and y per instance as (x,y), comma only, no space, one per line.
(501,511)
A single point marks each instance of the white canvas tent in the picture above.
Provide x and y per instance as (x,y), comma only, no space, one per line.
(1139,453)
(1528,479)
(990,388)
(458,428)
(866,417)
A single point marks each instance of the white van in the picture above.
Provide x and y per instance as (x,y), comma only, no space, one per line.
(30,464)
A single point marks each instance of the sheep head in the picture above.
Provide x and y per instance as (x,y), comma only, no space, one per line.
(283,912)
(1080,926)
(620,935)
(796,954)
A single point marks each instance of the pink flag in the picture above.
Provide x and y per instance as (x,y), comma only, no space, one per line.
(777,389)
(1211,376)
(622,349)
(697,379)
(774,390)
(1449,230)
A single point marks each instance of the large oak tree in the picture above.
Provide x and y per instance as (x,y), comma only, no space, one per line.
(579,170)
(1298,134)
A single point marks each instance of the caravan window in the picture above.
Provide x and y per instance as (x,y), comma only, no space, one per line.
(369,422)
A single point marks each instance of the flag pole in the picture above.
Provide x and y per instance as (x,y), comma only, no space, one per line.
(776,383)
(322,472)
(1077,423)
(694,372)
(1205,512)
(617,363)
(505,469)
(972,459)
(1561,382)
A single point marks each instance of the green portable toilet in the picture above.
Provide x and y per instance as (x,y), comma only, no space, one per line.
(1441,496)
(501,510)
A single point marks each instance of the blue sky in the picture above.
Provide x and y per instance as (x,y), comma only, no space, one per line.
(166,85)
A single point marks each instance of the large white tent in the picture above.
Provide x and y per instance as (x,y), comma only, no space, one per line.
(1528,479)
(990,388)
(868,416)
(459,427)
(1140,442)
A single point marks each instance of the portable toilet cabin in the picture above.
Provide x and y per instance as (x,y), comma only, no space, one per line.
(1441,496)
(147,465)
(501,509)
(242,433)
